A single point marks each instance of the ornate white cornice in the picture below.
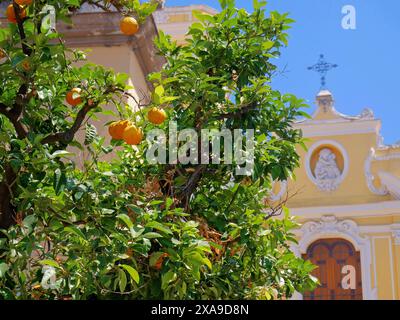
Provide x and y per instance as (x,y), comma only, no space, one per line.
(391,183)
(383,190)
(334,123)
(330,225)
(337,127)
(326,104)
(376,209)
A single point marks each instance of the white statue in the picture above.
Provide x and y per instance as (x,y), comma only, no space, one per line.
(326,172)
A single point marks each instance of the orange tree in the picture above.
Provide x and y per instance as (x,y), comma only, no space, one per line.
(129,228)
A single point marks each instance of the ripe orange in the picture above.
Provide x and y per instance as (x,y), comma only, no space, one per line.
(132,135)
(116,129)
(156,115)
(160,260)
(112,128)
(26,65)
(129,26)
(10,13)
(23,2)
(73,97)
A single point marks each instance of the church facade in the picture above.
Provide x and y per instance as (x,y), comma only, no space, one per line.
(347,198)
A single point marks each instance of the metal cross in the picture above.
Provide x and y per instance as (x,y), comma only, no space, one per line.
(322,67)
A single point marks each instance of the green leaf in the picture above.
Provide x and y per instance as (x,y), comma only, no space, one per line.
(29,221)
(203,17)
(122,280)
(268,45)
(167,278)
(59,181)
(3,269)
(90,133)
(168,99)
(195,258)
(159,90)
(125,218)
(151,235)
(49,262)
(61,153)
(159,226)
(168,203)
(16,164)
(76,231)
(132,272)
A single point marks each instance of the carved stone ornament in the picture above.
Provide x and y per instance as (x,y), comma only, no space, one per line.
(329,224)
(327,174)
(367,113)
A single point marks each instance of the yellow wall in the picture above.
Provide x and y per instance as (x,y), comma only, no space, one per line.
(396,258)
(121,59)
(352,190)
(382,258)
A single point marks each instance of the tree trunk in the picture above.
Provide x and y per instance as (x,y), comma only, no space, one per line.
(7,210)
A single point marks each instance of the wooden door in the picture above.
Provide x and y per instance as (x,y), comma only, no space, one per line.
(330,256)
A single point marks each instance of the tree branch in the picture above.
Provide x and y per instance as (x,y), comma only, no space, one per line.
(68,135)
(237,113)
(193,180)
(21,30)
(14,118)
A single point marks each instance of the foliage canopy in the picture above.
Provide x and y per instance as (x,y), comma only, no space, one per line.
(128,228)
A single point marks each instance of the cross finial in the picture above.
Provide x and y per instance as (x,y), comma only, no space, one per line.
(322,67)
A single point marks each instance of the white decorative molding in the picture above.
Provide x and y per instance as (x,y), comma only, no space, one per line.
(396,234)
(283,188)
(383,146)
(367,113)
(327,166)
(383,190)
(326,103)
(337,127)
(387,157)
(331,227)
(376,209)
(380,228)
(391,183)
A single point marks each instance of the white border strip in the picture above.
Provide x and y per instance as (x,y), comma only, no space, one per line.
(376,209)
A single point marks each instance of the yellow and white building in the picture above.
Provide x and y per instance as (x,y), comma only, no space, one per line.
(347,197)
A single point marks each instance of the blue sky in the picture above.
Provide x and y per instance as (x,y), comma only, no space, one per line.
(368,57)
